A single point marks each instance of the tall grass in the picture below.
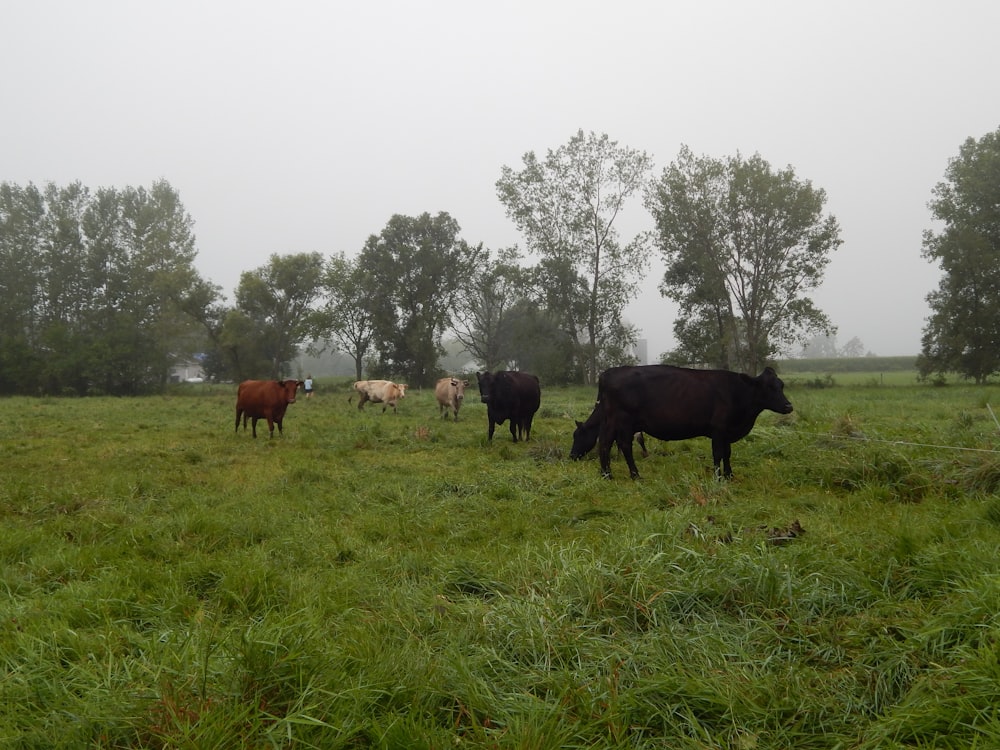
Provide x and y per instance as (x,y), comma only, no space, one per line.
(371,580)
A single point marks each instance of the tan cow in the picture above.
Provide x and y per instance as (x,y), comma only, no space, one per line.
(450,392)
(383,392)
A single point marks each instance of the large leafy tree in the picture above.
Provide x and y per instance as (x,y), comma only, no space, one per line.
(743,245)
(146,274)
(345,319)
(566,206)
(482,315)
(273,313)
(414,269)
(962,333)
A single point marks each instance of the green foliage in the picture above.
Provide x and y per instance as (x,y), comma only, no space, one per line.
(962,334)
(261,335)
(373,579)
(743,244)
(96,288)
(540,346)
(413,270)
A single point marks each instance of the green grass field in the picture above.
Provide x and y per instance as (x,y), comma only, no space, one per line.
(395,581)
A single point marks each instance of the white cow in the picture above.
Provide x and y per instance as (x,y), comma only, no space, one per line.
(383,392)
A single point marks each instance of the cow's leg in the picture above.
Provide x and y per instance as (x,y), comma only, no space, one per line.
(642,444)
(624,439)
(527,429)
(721,452)
(362,397)
(253,425)
(493,426)
(604,440)
(238,422)
(514,426)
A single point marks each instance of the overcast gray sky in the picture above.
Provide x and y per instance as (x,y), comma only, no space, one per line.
(303,126)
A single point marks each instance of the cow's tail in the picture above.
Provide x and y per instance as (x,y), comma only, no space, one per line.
(601,385)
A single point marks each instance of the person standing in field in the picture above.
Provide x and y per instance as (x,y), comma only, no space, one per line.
(308,386)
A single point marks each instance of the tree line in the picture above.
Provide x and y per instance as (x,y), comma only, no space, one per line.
(99,293)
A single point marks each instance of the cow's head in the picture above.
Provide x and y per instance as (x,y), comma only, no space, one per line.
(459,386)
(402,389)
(772,392)
(290,387)
(585,435)
(485,380)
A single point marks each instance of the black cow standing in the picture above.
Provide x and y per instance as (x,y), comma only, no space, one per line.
(676,403)
(510,395)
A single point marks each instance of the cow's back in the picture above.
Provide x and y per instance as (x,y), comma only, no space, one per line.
(653,396)
(257,394)
(516,394)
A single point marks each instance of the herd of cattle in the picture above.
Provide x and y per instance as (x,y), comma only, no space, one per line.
(665,402)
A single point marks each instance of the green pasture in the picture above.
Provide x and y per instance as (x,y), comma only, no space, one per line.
(827,379)
(396,581)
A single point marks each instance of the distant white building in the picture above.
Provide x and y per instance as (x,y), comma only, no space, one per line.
(187,371)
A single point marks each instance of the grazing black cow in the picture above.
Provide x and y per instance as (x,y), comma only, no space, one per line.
(676,403)
(510,395)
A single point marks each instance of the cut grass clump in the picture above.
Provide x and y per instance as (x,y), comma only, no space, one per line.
(983,477)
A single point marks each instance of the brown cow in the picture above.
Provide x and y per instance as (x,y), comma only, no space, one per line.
(450,392)
(383,392)
(264,399)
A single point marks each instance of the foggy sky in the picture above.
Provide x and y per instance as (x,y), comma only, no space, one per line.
(304,126)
